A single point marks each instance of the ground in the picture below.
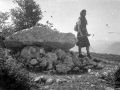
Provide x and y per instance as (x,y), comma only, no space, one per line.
(91,80)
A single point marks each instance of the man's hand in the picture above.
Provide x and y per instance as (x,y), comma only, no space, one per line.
(88,34)
(84,35)
(81,34)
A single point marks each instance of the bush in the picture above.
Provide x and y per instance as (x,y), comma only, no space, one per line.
(12,74)
(117,78)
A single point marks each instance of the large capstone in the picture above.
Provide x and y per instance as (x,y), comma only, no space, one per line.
(40,36)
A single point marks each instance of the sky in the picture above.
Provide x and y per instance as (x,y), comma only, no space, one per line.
(103,16)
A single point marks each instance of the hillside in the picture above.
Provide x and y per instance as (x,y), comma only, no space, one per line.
(113,49)
(55,69)
(83,49)
(109,57)
(100,45)
(98,77)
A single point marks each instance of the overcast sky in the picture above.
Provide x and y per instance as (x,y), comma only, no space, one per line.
(103,16)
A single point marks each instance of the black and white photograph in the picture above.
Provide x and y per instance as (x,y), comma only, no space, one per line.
(59,44)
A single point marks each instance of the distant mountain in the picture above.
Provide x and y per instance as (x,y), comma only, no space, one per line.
(98,46)
(113,49)
(83,49)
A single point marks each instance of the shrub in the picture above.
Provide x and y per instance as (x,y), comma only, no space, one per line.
(117,78)
(12,74)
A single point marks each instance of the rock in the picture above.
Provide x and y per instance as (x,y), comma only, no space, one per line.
(50,81)
(109,88)
(44,62)
(76,69)
(40,79)
(76,60)
(50,66)
(42,52)
(61,81)
(62,68)
(36,79)
(58,62)
(48,60)
(51,59)
(99,66)
(33,62)
(96,60)
(44,80)
(68,61)
(65,66)
(40,36)
(86,61)
(40,60)
(30,52)
(60,54)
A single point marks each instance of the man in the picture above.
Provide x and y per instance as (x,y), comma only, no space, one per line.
(82,34)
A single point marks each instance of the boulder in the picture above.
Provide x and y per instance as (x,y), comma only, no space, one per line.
(40,36)
(62,68)
(77,62)
(51,59)
(60,54)
(30,52)
(76,69)
(48,60)
(33,62)
(68,61)
(44,63)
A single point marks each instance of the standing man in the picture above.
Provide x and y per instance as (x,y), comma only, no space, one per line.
(82,34)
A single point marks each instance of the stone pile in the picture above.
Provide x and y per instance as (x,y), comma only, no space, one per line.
(43,49)
(57,60)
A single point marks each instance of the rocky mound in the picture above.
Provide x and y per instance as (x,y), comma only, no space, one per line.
(58,61)
(18,77)
(40,36)
(43,49)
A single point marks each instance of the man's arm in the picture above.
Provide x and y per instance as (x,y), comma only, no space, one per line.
(79,29)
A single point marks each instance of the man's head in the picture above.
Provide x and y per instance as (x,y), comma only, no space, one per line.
(83,12)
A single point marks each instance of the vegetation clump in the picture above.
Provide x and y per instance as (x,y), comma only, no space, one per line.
(13,75)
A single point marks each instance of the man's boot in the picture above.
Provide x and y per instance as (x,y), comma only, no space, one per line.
(89,56)
(81,56)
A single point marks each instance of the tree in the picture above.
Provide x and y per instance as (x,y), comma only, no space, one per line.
(5,26)
(3,19)
(26,15)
